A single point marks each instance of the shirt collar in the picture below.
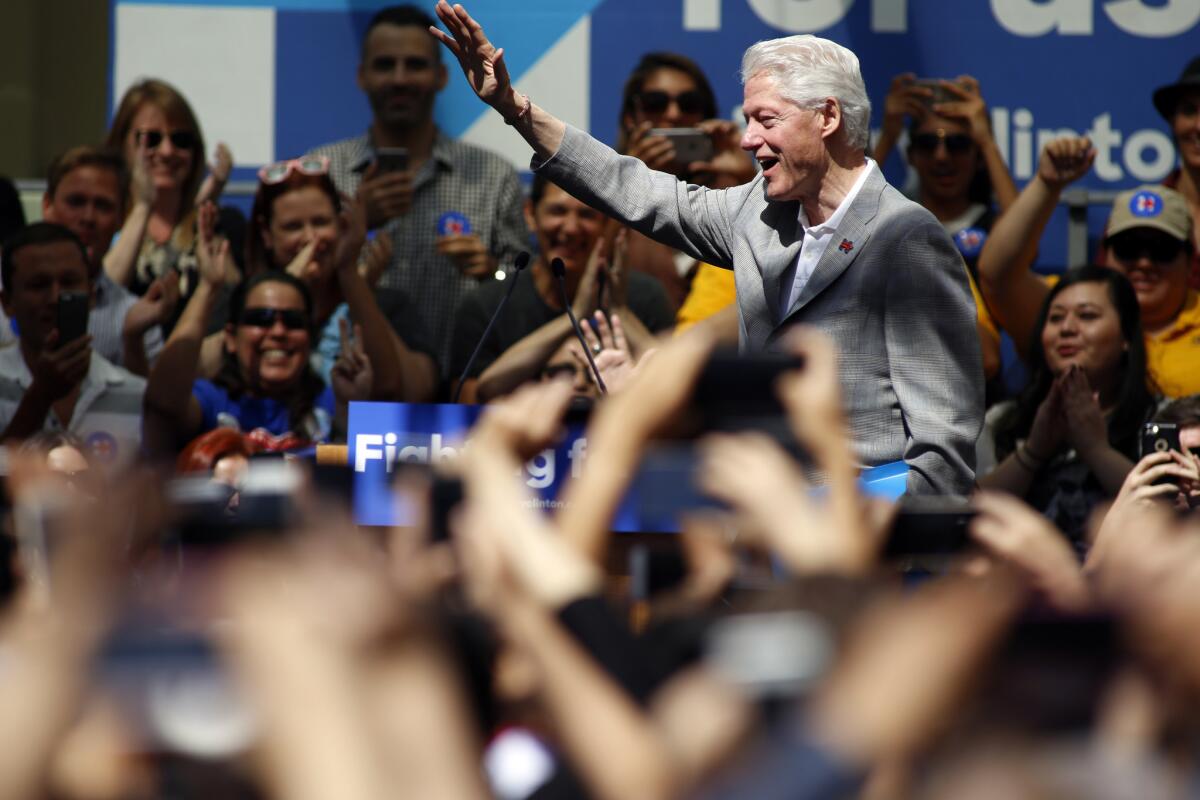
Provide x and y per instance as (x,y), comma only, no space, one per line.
(835,219)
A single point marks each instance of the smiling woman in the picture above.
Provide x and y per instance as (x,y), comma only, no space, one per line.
(1071,438)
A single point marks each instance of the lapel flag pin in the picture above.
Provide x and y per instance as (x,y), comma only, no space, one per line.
(846,246)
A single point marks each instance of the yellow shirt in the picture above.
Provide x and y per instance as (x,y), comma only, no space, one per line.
(1173,356)
(712,290)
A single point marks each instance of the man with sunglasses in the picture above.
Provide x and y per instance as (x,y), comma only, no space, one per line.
(50,384)
(818,237)
(1148,239)
(453,210)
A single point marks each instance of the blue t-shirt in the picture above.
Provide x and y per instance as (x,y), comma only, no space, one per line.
(249,413)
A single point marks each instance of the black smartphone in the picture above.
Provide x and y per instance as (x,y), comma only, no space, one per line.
(1159,437)
(736,392)
(72,317)
(930,526)
(655,569)
(391,159)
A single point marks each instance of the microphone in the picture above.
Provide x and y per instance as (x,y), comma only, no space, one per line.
(519,264)
(560,271)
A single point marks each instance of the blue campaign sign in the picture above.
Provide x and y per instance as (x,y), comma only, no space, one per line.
(277,77)
(383,436)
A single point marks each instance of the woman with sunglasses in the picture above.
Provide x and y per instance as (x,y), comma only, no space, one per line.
(266,385)
(667,90)
(159,135)
(300,224)
(961,176)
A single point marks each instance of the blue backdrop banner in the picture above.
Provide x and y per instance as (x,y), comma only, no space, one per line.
(1046,66)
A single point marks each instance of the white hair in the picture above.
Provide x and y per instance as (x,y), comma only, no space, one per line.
(809,69)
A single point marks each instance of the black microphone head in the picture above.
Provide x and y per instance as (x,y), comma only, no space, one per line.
(521,261)
(558,267)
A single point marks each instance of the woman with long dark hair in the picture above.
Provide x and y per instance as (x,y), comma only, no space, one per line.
(1071,437)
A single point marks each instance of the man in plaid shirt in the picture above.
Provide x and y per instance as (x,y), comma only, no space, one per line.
(454,210)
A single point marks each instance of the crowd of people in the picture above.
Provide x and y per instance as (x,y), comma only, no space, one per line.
(188,609)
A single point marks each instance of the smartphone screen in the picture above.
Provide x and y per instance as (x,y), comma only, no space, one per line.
(72,320)
(392,159)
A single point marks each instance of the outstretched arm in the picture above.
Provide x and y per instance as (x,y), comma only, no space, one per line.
(484,67)
(1013,293)
(657,204)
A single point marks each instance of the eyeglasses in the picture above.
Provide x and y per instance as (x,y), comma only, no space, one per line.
(278,172)
(1161,249)
(151,139)
(690,102)
(293,319)
(956,143)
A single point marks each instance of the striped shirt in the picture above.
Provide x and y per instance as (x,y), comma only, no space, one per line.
(460,178)
(107,415)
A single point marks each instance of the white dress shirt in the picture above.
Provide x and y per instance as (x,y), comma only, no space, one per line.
(816,240)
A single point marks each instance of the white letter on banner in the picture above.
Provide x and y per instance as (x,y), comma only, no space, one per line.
(1172,19)
(1104,139)
(889,16)
(801,16)
(1029,18)
(1164,155)
(702,15)
(363,452)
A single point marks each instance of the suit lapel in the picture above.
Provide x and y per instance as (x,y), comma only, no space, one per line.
(847,242)
(784,220)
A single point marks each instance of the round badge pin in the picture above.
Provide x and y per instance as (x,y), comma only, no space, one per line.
(102,446)
(453,223)
(970,241)
(1146,204)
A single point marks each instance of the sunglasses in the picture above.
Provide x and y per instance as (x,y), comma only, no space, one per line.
(293,319)
(956,143)
(278,172)
(1160,249)
(690,102)
(150,139)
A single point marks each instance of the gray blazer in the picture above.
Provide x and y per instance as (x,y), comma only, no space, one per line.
(896,301)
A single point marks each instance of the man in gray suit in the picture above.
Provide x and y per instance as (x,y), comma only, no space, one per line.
(818,237)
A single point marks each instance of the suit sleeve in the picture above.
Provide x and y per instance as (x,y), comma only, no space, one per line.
(934,357)
(689,218)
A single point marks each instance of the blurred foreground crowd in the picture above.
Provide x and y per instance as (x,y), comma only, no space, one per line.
(189,614)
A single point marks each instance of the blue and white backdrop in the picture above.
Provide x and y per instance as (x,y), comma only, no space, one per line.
(275,78)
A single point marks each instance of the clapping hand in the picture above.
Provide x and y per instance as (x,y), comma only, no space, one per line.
(613,357)
(212,252)
(1085,425)
(154,307)
(351,375)
(219,170)
(375,258)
